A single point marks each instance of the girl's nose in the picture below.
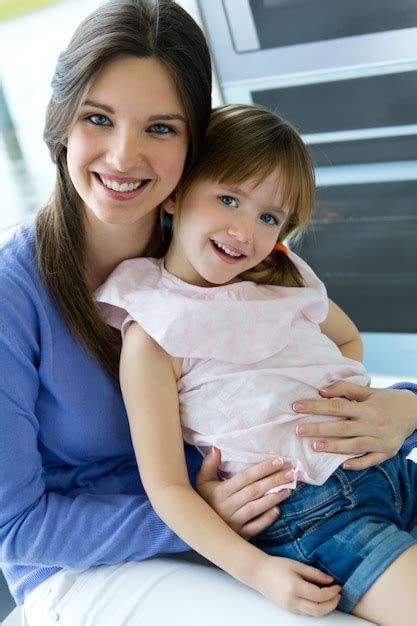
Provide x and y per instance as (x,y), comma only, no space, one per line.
(242,228)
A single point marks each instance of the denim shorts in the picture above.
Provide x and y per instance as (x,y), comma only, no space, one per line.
(352,527)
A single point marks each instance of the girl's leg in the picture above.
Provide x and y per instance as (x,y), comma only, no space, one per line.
(392,599)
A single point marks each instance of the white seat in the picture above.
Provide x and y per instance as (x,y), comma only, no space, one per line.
(163,614)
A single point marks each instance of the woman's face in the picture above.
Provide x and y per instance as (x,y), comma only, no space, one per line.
(127,147)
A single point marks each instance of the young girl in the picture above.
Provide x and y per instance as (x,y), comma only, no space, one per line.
(220,338)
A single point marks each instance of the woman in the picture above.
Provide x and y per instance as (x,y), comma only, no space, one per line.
(75,525)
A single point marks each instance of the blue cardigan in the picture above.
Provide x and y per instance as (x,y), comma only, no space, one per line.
(70,493)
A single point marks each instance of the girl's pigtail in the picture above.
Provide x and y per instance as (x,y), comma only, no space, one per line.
(276,269)
(283,270)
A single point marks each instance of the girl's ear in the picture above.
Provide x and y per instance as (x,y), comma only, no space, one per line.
(169,204)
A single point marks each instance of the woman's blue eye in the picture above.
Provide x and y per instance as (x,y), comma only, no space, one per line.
(161,129)
(98,120)
(229,201)
(267,218)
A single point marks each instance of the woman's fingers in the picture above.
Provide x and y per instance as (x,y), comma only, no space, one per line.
(337,407)
(354,445)
(243,501)
(376,421)
(260,523)
(347,390)
(254,516)
(253,477)
(210,466)
(345,428)
(365,461)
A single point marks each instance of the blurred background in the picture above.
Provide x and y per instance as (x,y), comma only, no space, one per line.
(345,73)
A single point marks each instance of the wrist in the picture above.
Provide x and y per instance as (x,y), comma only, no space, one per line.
(257,573)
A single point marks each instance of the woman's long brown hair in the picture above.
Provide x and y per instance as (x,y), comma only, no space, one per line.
(142,28)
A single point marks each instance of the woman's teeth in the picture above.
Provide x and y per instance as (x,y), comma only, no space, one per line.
(226,249)
(111,184)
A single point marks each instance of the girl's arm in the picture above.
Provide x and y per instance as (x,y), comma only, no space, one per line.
(149,386)
(343,332)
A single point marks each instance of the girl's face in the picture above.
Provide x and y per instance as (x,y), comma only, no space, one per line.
(127,147)
(223,230)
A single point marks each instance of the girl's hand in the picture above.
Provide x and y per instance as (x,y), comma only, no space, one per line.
(296,587)
(379,422)
(242,501)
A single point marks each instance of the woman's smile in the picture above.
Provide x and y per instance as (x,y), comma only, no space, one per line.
(126,151)
(121,189)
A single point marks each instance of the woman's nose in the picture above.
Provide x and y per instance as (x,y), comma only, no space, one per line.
(127,153)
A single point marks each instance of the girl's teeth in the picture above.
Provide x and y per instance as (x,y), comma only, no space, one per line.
(112,184)
(227,250)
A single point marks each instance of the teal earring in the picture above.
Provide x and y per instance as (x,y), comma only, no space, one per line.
(167,221)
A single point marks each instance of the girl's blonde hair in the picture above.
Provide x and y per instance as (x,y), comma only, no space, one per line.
(245,142)
(158,29)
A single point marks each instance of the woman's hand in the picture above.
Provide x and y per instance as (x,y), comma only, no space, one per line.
(242,501)
(379,420)
(296,587)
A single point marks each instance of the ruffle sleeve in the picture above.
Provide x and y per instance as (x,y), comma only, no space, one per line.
(239,323)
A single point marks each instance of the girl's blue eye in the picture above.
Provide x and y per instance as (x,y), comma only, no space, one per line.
(229,201)
(98,120)
(161,129)
(269,219)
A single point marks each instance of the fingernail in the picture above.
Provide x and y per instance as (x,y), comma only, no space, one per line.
(277,510)
(319,446)
(289,475)
(346,465)
(298,406)
(300,430)
(278,462)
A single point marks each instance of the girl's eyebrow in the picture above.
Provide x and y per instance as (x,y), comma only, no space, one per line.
(152,118)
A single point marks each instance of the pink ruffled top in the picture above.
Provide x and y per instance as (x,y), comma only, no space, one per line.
(249,351)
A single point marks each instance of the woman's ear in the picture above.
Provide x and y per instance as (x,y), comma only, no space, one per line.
(169,204)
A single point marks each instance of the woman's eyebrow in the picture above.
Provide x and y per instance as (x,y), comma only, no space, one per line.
(167,116)
(93,103)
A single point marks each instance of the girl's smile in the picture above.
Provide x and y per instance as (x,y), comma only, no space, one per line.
(221,231)
(227,252)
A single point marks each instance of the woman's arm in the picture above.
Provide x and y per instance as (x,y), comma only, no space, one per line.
(379,420)
(41,525)
(149,387)
(343,332)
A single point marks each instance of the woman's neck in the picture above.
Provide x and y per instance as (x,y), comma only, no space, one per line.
(107,245)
